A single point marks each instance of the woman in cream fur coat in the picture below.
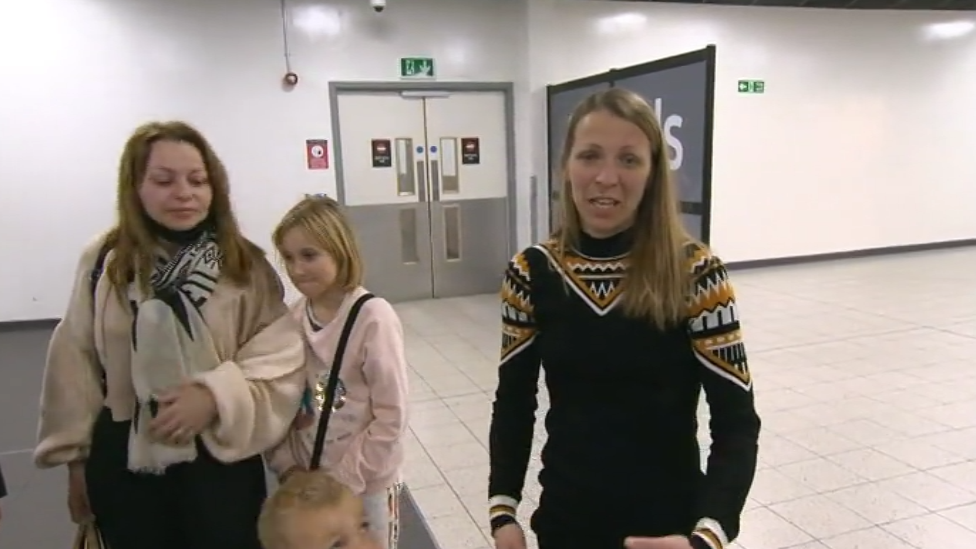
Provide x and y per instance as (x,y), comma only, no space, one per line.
(175,367)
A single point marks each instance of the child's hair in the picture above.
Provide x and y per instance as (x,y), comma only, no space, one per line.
(301,491)
(322,220)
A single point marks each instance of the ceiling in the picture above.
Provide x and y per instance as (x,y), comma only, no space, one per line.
(941,5)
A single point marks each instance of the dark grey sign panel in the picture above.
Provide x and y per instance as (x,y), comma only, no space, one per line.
(561,106)
(679,96)
(681,91)
(562,102)
(694,224)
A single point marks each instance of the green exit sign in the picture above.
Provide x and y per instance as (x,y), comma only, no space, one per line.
(417,68)
(752,86)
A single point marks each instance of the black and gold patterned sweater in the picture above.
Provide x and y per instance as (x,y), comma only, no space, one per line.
(622,425)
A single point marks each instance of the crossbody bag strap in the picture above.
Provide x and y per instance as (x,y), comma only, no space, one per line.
(93,277)
(330,387)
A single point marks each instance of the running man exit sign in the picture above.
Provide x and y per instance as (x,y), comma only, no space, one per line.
(752,86)
(417,68)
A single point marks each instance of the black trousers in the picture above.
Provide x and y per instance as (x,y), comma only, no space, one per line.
(205,504)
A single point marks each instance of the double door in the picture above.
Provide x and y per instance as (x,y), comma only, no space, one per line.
(425,183)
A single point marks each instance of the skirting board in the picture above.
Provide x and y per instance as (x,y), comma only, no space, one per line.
(28,325)
(852,254)
(732,265)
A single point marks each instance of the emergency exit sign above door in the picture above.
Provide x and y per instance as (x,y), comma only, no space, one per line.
(417,68)
(752,86)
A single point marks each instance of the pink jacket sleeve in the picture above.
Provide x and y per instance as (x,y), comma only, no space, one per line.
(377,452)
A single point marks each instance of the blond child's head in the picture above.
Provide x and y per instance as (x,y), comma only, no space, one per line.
(312,510)
(319,248)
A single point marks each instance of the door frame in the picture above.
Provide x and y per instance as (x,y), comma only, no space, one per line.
(507,89)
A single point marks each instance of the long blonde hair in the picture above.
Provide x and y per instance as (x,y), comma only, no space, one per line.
(657,281)
(131,238)
(321,219)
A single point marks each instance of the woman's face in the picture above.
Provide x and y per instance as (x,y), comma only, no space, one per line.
(608,169)
(176,192)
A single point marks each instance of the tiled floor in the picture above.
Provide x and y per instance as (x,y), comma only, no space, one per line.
(865,382)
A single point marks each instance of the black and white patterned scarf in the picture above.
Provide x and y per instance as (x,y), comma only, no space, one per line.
(170,343)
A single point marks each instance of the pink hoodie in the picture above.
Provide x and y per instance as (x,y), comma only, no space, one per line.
(364,443)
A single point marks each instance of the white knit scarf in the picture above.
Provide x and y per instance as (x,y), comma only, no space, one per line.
(170,343)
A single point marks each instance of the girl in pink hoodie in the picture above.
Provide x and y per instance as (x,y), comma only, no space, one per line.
(364,442)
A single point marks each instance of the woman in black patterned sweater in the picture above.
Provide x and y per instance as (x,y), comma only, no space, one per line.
(630,318)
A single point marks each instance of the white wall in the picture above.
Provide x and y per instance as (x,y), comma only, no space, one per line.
(862,139)
(76,77)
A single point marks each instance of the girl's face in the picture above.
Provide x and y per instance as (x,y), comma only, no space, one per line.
(311,269)
(339,527)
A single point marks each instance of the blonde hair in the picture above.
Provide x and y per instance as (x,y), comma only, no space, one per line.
(131,238)
(658,279)
(301,491)
(322,219)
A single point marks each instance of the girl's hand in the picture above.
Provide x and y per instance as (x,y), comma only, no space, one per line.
(303,420)
(287,473)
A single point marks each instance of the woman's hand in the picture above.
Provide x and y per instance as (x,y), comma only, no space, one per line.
(509,536)
(184,412)
(666,542)
(78,506)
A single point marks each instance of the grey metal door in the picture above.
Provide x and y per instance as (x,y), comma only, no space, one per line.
(425,183)
(468,164)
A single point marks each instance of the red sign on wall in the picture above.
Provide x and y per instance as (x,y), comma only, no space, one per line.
(382,153)
(317,154)
(470,150)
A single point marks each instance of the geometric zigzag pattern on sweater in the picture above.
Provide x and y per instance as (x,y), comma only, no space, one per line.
(598,281)
(714,320)
(518,315)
